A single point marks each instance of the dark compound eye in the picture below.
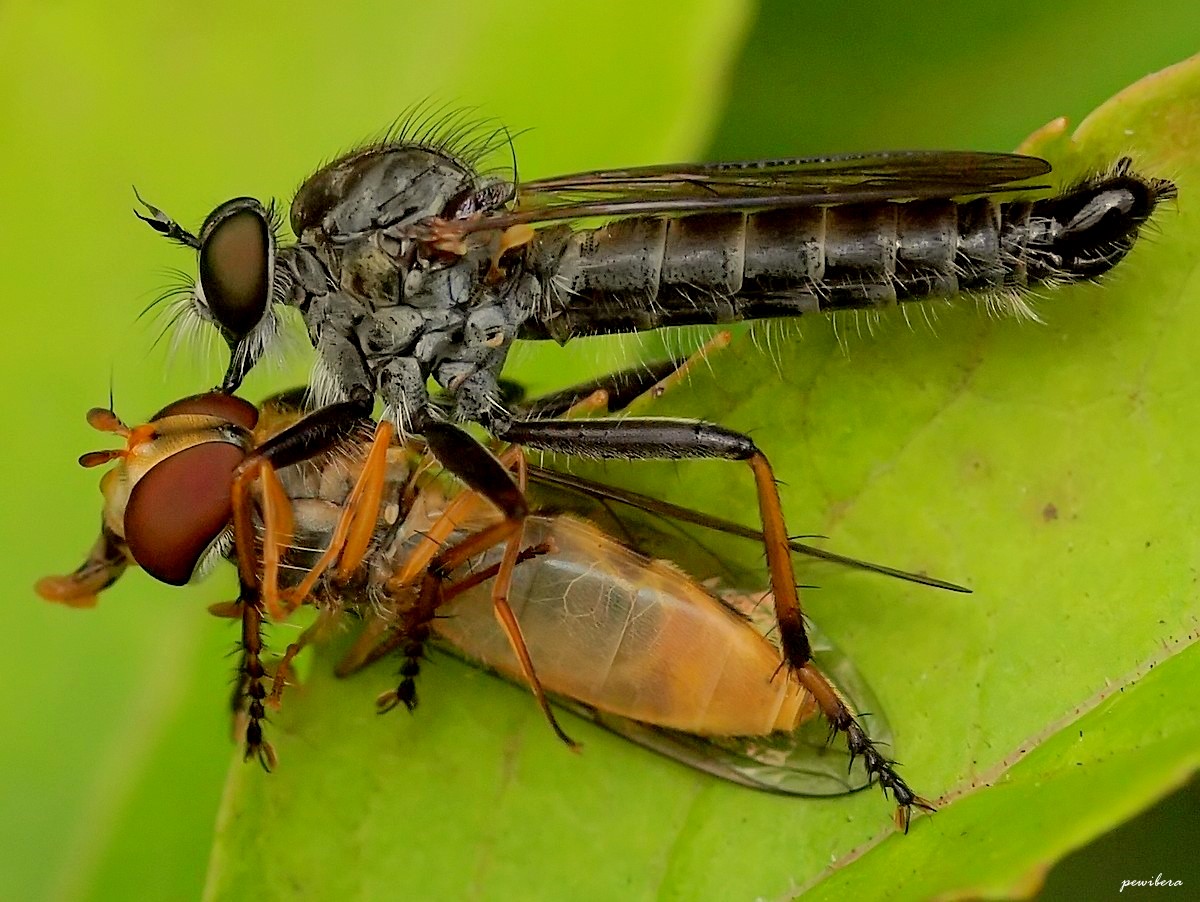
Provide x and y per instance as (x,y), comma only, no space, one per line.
(235,262)
(179,507)
(213,404)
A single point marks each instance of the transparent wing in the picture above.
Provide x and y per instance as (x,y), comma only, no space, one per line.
(803,762)
(765,184)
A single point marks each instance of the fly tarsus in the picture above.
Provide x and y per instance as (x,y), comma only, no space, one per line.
(406,692)
(860,745)
(410,636)
(251,685)
(881,769)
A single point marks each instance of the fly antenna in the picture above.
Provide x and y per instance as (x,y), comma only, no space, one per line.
(164,224)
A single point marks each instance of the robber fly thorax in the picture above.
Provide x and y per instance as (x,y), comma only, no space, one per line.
(633,643)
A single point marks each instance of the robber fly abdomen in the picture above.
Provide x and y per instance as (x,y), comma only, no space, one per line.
(648,272)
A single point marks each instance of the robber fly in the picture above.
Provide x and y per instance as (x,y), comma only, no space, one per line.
(633,643)
(411,263)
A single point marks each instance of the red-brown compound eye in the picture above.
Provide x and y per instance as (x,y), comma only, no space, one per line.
(235,264)
(179,507)
(213,404)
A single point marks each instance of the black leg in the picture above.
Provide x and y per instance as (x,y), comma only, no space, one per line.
(663,439)
(250,689)
(621,387)
(490,479)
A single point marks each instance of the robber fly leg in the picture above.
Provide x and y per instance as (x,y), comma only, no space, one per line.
(718,342)
(842,720)
(479,577)
(619,390)
(642,439)
(662,439)
(484,474)
(622,388)
(384,631)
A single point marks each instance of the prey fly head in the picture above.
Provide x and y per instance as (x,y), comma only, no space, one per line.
(167,504)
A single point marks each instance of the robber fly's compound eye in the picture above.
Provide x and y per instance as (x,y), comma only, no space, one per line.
(179,508)
(237,256)
(213,404)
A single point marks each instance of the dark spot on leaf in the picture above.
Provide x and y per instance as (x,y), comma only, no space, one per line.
(1049,512)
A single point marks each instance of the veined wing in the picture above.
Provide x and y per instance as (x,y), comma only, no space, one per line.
(678,189)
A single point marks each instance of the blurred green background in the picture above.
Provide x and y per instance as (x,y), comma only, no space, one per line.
(116,735)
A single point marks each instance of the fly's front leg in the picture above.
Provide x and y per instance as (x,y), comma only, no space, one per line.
(355,527)
(250,689)
(320,431)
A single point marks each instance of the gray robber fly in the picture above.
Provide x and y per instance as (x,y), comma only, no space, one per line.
(410,264)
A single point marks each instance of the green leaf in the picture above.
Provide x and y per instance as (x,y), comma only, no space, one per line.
(1047,465)
(116,740)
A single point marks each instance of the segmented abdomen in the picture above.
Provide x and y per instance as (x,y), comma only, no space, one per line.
(646,272)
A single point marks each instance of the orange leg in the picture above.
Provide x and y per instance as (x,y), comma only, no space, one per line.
(350,539)
(433,569)
(283,669)
(718,342)
(596,402)
(277,531)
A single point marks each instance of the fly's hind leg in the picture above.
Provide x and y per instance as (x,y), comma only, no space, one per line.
(663,439)
(842,720)
(622,390)
(488,477)
(666,439)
